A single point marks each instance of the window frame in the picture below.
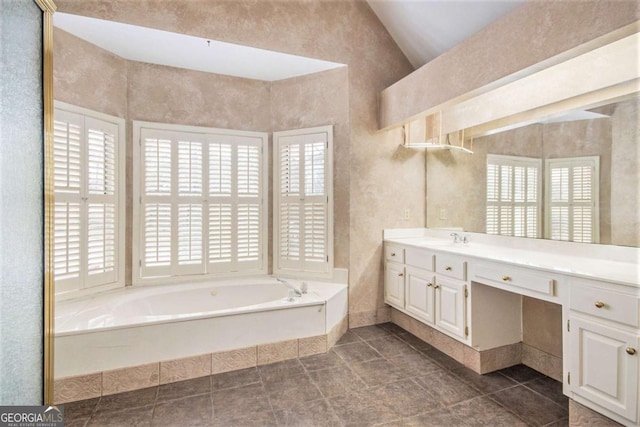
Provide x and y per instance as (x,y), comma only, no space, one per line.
(137,188)
(63,293)
(503,160)
(594,163)
(328,185)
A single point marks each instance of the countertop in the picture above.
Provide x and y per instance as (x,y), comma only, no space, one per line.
(624,273)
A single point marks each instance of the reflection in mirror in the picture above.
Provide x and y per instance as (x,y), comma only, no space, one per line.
(574,177)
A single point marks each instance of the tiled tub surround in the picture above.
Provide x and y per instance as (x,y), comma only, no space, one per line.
(375,375)
(596,287)
(133,338)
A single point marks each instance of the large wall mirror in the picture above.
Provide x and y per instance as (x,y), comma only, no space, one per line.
(574,176)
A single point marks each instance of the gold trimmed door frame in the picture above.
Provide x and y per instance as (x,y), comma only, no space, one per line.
(48,8)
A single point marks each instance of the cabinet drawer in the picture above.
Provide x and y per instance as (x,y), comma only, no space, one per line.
(394,253)
(451,266)
(513,276)
(605,303)
(420,258)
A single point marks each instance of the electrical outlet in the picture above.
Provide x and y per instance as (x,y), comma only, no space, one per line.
(406,214)
(443,214)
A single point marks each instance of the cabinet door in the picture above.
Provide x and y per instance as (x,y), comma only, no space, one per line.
(450,305)
(420,294)
(394,284)
(601,369)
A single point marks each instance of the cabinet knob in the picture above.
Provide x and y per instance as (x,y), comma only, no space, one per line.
(447,268)
(393,254)
(436,287)
(599,304)
(631,350)
(429,285)
(400,274)
(506,278)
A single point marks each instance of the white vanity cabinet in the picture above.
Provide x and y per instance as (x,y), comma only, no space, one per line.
(604,342)
(394,276)
(427,288)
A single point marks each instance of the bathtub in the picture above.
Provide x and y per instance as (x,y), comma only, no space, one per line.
(147,324)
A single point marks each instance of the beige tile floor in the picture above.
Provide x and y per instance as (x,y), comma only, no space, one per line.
(376,375)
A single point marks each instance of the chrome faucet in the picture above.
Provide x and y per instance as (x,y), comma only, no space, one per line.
(290,286)
(458,238)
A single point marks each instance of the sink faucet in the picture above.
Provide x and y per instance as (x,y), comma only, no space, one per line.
(458,238)
(290,286)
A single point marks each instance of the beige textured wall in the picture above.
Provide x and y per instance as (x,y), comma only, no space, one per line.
(625,176)
(464,196)
(81,68)
(383,179)
(532,33)
(542,325)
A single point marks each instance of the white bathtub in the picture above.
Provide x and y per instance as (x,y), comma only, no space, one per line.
(145,324)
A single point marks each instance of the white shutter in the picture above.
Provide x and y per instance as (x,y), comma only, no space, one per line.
(248,209)
(202,201)
(572,194)
(302,193)
(87,226)
(68,219)
(189,223)
(513,202)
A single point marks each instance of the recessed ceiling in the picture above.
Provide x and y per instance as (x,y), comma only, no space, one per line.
(178,50)
(425,29)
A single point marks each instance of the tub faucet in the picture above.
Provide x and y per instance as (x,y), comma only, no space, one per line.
(290,286)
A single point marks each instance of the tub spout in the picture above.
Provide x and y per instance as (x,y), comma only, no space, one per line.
(290,286)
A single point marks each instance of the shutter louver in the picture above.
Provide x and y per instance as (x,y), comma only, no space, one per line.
(157,237)
(67,241)
(220,237)
(66,152)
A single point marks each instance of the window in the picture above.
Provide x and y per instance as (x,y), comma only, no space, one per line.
(571,189)
(303,201)
(201,206)
(89,199)
(513,196)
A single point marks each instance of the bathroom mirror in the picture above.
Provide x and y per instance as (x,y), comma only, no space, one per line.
(574,176)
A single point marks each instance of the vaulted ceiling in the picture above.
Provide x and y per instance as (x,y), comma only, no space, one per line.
(424,29)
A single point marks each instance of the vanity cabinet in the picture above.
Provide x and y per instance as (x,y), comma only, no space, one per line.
(394,284)
(427,288)
(604,341)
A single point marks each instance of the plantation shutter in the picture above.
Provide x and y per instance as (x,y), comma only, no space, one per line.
(513,196)
(302,193)
(86,219)
(68,129)
(572,194)
(201,203)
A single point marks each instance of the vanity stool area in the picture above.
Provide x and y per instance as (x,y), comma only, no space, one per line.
(472,293)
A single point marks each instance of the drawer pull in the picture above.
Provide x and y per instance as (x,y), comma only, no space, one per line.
(393,254)
(506,278)
(429,285)
(436,286)
(400,274)
(447,268)
(599,304)
(631,350)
